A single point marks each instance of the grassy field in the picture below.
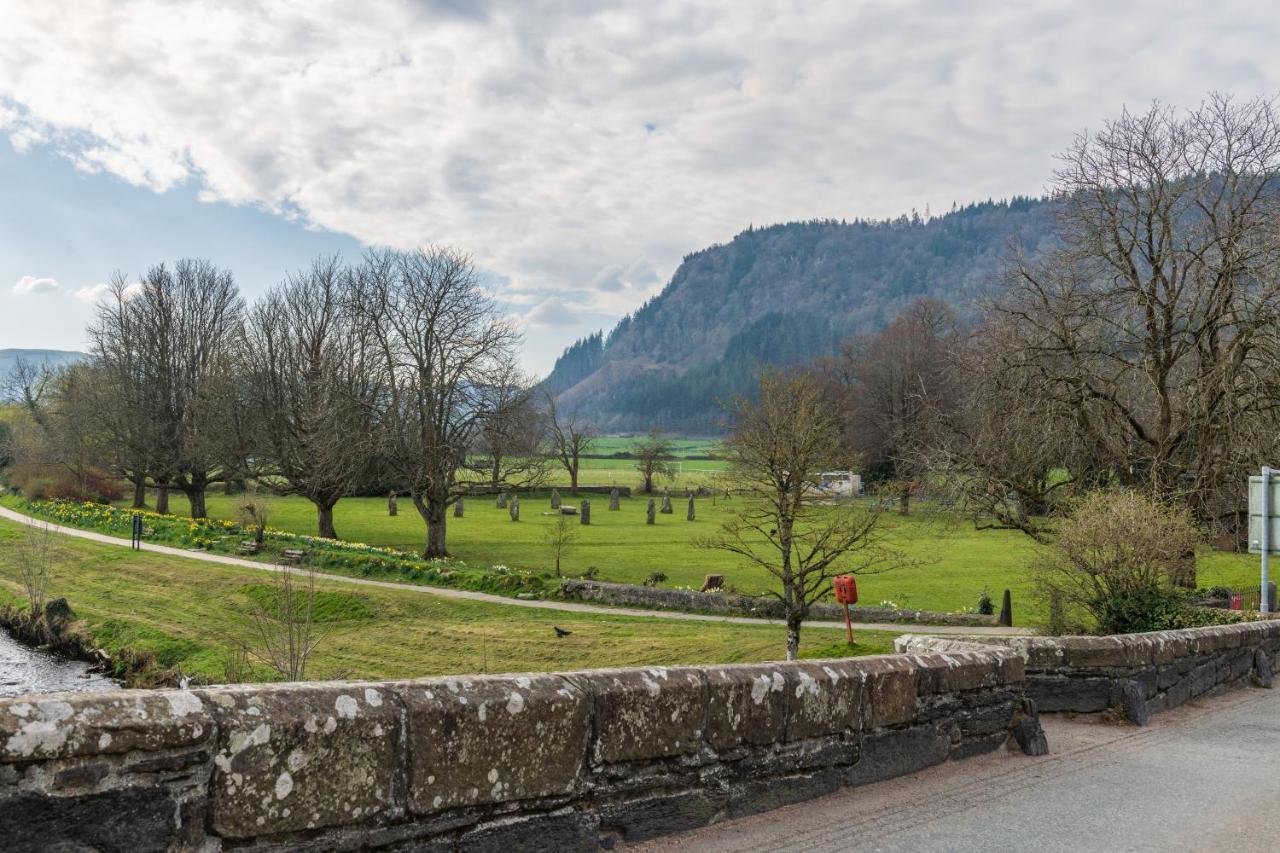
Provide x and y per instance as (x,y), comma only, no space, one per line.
(952,562)
(190,613)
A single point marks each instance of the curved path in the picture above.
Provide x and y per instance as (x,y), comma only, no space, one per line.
(446,592)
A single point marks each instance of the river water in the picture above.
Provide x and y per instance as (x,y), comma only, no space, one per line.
(25,670)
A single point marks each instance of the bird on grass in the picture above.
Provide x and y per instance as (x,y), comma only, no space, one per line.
(560,632)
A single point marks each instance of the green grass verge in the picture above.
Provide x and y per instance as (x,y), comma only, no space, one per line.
(190,613)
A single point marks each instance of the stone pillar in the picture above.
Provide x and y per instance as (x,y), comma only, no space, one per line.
(502,500)
(585,511)
(666,502)
(458,509)
(555,498)
(515,508)
(649,513)
(391,504)
(613,500)
(1006,610)
(691,511)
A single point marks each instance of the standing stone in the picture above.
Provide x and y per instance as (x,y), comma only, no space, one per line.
(555,498)
(666,502)
(458,509)
(515,508)
(649,516)
(1006,610)
(691,512)
(502,500)
(585,511)
(613,500)
(391,504)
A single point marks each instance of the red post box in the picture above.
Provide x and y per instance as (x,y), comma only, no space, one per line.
(846,589)
(846,593)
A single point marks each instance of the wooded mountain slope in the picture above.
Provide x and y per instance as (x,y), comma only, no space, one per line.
(779,295)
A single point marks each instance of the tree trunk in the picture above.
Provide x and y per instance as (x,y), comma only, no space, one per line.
(324,519)
(648,483)
(793,636)
(904,502)
(432,511)
(573,479)
(162,498)
(140,492)
(195,495)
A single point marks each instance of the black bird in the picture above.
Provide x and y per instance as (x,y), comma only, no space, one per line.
(560,632)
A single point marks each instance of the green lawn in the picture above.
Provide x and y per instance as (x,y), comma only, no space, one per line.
(953,562)
(690,473)
(189,613)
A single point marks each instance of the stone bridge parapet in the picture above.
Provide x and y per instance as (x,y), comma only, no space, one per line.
(565,761)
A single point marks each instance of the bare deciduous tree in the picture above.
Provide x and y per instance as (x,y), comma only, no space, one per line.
(284,624)
(167,346)
(570,437)
(1154,326)
(653,459)
(560,536)
(30,558)
(893,385)
(313,382)
(510,447)
(779,445)
(441,344)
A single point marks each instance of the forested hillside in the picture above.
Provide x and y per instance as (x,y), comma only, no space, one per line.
(782,294)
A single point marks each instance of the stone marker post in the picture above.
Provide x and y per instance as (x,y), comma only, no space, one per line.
(666,502)
(458,509)
(585,511)
(1006,610)
(613,500)
(649,513)
(502,500)
(555,498)
(391,504)
(691,511)
(515,508)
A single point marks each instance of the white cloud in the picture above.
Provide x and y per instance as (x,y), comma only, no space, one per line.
(91,293)
(30,284)
(553,311)
(585,148)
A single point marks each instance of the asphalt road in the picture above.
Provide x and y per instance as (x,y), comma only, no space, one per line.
(1201,777)
(535,604)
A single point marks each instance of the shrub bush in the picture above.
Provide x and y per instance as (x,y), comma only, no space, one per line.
(1118,556)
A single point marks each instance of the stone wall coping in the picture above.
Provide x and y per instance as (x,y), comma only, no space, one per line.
(727,602)
(1120,650)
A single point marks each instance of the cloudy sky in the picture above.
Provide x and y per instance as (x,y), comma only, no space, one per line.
(578,150)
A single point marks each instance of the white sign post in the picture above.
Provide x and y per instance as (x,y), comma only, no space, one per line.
(1264,525)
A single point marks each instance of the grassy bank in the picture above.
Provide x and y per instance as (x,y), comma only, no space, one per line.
(189,614)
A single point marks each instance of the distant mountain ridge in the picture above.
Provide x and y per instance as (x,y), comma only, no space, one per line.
(779,295)
(9,359)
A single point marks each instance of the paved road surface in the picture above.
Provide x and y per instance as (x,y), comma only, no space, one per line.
(1201,777)
(446,592)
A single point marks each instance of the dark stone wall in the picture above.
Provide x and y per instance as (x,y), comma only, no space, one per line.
(571,761)
(664,598)
(1133,675)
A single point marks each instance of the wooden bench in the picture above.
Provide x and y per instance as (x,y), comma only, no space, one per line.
(292,555)
(248,547)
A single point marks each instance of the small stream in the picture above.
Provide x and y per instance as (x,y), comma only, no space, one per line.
(25,670)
